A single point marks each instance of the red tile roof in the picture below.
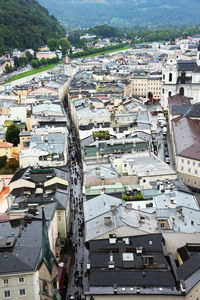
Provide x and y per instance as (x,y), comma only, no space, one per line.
(179,100)
(5,145)
(186,134)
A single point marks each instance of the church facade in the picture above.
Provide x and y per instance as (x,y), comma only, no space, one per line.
(181,77)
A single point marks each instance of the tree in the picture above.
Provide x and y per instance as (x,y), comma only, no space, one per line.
(12,164)
(3,160)
(12,134)
(8,69)
(16,62)
(65,45)
(35,63)
(29,56)
(53,44)
(5,170)
(43,61)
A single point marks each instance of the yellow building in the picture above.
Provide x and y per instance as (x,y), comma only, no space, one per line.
(24,138)
(45,54)
(6,149)
(146,86)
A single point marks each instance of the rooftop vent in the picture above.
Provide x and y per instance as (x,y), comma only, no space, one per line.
(112,238)
(88,265)
(147,260)
(128,256)
(115,288)
(107,221)
(139,250)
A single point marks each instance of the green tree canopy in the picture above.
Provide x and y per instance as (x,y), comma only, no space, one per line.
(12,164)
(29,56)
(12,134)
(26,24)
(65,45)
(35,63)
(53,44)
(3,160)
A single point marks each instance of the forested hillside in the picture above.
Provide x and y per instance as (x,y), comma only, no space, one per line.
(124,12)
(26,24)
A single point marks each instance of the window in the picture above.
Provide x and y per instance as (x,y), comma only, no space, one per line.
(59,218)
(144,180)
(188,180)
(188,162)
(45,287)
(150,242)
(198,164)
(22,292)
(193,163)
(169,94)
(182,77)
(195,182)
(189,170)
(21,279)
(182,168)
(162,225)
(195,172)
(170,76)
(181,91)
(182,160)
(7,294)
(6,281)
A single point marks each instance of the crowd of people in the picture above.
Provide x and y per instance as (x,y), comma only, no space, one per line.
(76,234)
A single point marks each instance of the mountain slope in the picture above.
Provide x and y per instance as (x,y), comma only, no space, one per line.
(124,12)
(26,24)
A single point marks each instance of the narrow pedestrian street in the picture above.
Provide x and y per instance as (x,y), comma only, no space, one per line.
(76,239)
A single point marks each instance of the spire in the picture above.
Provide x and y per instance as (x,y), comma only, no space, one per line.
(46,255)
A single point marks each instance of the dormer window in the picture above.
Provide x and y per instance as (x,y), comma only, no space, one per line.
(45,287)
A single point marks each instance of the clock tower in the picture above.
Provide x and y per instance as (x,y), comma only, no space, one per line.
(170,75)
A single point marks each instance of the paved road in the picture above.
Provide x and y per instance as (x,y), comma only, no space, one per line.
(160,138)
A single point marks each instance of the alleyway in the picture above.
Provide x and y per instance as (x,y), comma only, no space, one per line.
(75,284)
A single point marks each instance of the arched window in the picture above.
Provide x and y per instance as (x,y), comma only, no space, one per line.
(170,76)
(169,94)
(163,91)
(163,76)
(181,91)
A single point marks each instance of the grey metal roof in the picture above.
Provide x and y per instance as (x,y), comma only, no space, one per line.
(99,205)
(179,109)
(21,258)
(130,273)
(187,65)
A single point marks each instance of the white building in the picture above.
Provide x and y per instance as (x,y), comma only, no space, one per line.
(181,77)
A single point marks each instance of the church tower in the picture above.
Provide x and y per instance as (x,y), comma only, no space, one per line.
(47,267)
